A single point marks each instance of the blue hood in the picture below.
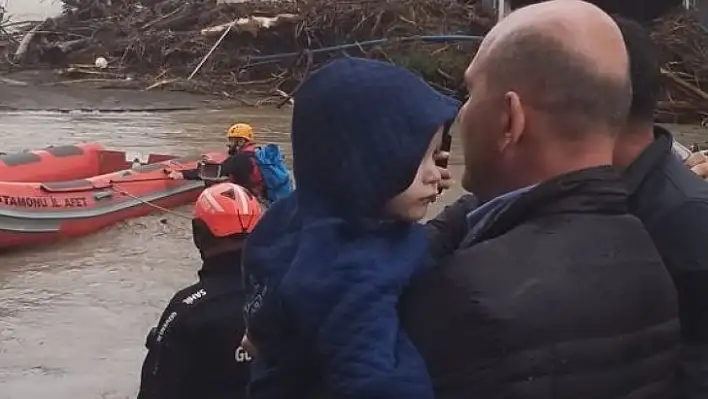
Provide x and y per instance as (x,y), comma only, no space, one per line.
(360,129)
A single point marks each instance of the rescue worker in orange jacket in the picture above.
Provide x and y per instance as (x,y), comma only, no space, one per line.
(195,351)
(240,167)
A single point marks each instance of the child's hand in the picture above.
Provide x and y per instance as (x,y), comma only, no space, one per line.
(446,182)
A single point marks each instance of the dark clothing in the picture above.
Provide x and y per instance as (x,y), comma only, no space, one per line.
(560,295)
(238,168)
(673,204)
(450,227)
(194,352)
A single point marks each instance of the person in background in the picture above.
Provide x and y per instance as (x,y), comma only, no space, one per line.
(554,290)
(240,139)
(259,168)
(671,201)
(327,265)
(241,167)
(194,352)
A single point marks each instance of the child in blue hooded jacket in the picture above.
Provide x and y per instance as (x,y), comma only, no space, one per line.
(326,266)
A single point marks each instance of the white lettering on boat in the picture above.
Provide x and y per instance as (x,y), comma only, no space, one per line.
(44,202)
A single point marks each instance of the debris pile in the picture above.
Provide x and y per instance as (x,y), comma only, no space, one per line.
(214,45)
(683,45)
(266,47)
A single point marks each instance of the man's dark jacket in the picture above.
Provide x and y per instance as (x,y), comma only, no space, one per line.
(561,295)
(194,352)
(238,167)
(673,204)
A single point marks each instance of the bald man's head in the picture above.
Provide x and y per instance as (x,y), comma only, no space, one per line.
(549,79)
(563,57)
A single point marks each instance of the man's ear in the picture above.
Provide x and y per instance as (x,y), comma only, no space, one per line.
(515,118)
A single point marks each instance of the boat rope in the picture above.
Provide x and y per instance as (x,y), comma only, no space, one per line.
(120,190)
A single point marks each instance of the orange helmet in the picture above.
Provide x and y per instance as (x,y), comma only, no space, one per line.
(228,209)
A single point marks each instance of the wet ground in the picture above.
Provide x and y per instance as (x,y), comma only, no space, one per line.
(73,316)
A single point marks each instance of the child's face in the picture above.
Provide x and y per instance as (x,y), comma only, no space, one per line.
(412,204)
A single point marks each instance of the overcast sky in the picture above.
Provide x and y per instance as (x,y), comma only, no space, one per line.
(31,9)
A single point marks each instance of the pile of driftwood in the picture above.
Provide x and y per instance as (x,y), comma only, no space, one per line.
(213,45)
(266,47)
(683,43)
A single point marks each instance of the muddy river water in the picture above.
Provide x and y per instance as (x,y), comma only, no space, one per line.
(73,316)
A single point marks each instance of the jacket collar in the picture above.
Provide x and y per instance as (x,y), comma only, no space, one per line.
(651,158)
(592,190)
(477,217)
(226,266)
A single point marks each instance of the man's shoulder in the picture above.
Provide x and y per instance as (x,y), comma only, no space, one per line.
(200,302)
(690,185)
(547,245)
(189,296)
(670,186)
(541,259)
(175,316)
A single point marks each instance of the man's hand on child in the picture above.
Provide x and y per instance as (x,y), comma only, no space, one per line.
(698,163)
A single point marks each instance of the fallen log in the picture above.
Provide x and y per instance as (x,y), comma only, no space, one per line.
(22,49)
(684,85)
(71,45)
(161,19)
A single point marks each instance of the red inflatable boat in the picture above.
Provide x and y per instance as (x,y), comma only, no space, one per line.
(46,211)
(64,162)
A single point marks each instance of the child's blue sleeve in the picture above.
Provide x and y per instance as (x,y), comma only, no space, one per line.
(352,308)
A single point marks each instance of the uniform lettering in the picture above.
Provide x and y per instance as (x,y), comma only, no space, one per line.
(190,299)
(44,202)
(163,328)
(242,355)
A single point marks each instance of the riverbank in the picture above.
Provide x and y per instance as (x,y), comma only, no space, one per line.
(231,48)
(40,90)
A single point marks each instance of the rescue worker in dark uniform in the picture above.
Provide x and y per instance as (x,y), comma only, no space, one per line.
(240,167)
(195,351)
